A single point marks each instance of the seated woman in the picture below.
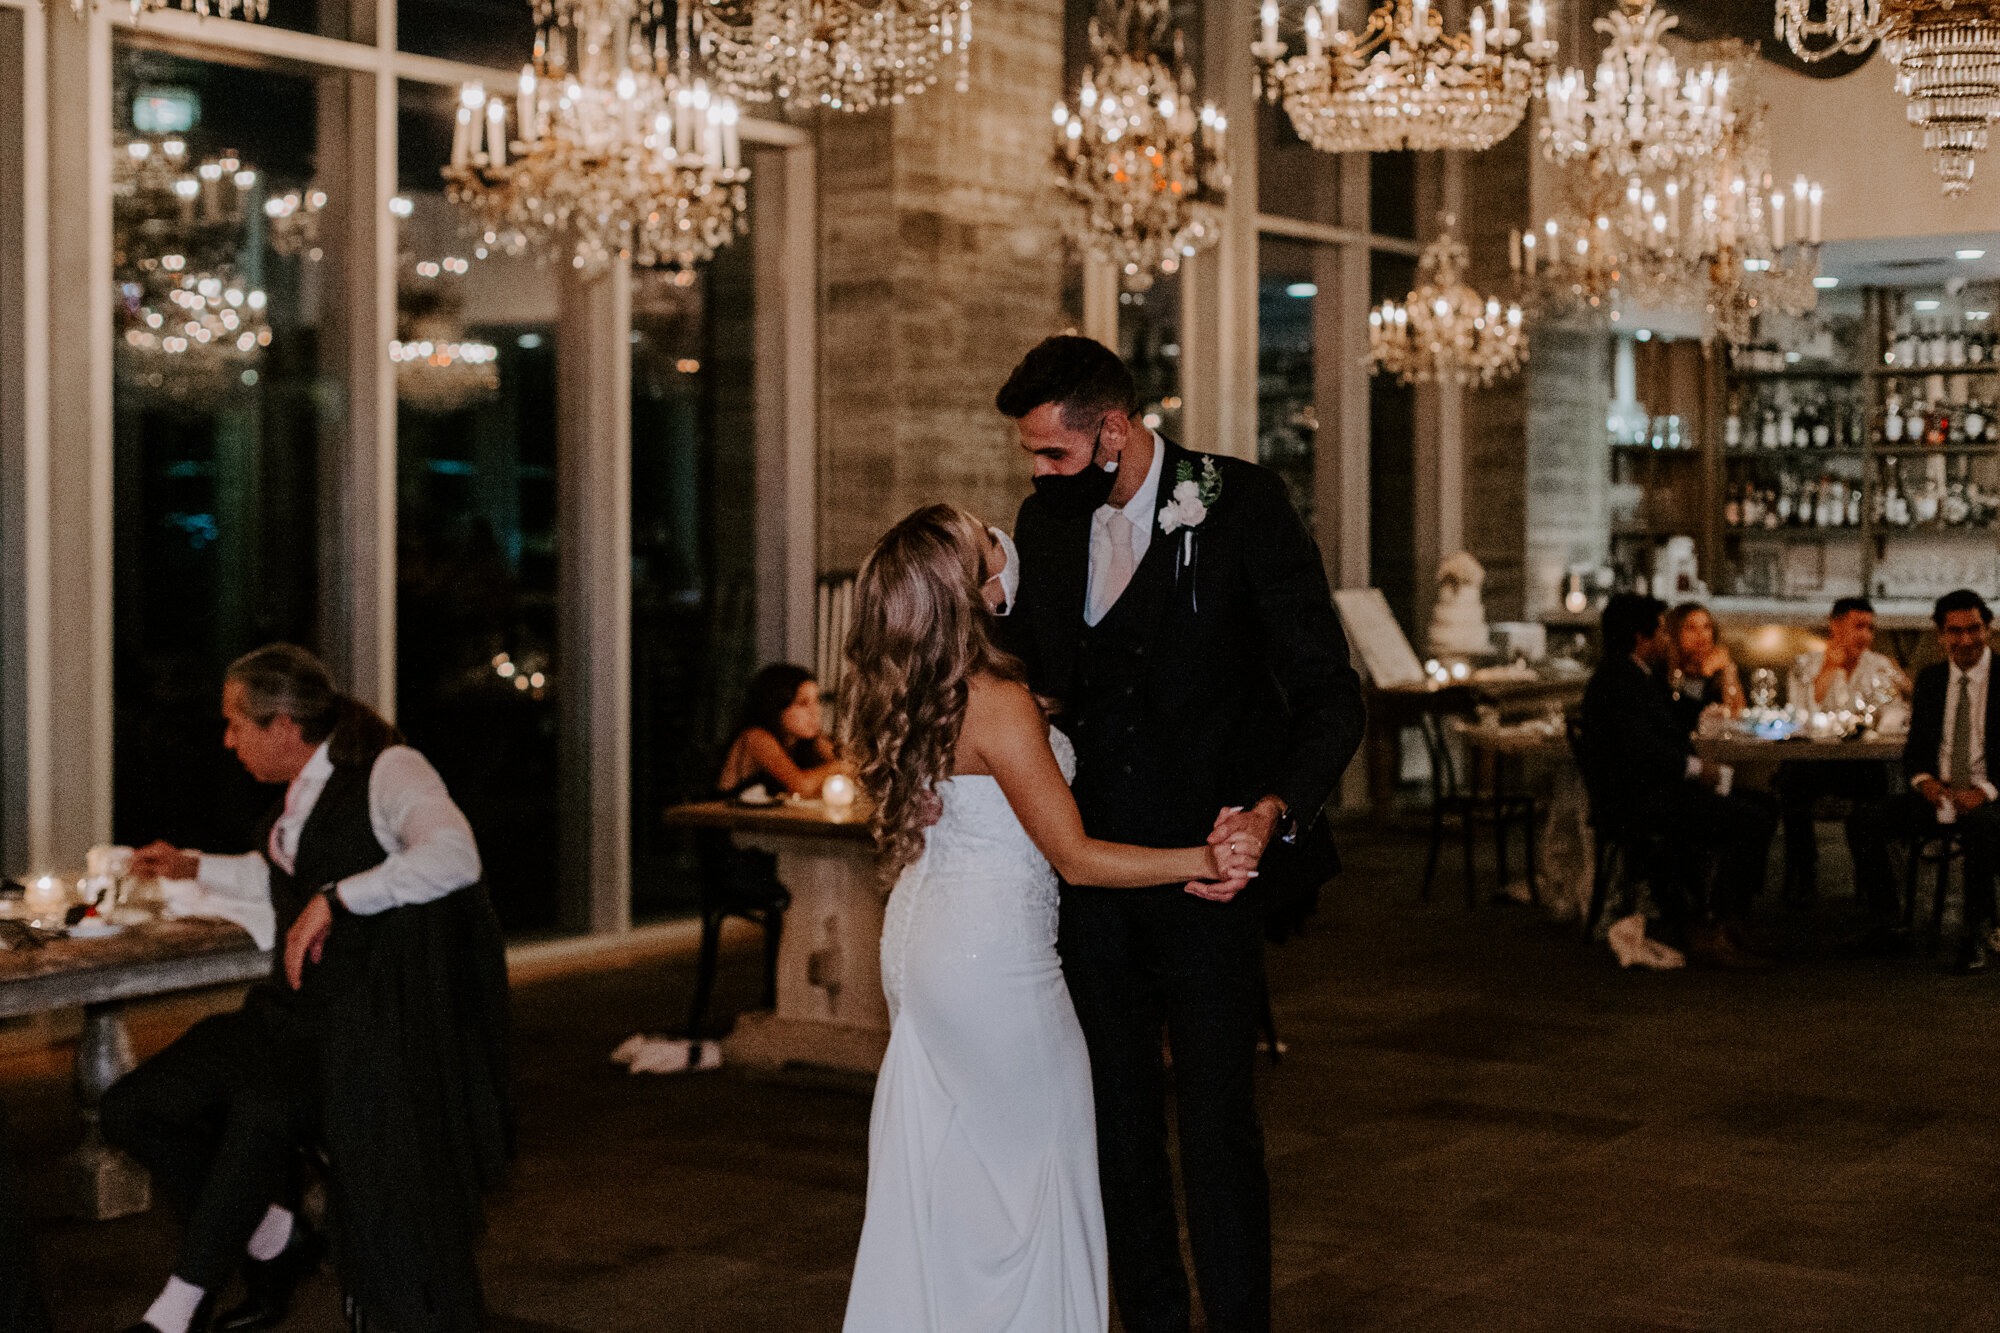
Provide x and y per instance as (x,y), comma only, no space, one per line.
(780,742)
(1703,672)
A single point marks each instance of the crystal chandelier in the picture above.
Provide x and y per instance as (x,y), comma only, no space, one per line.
(1402,81)
(191,339)
(1946,52)
(1639,115)
(623,151)
(848,55)
(1445,331)
(248,10)
(1140,169)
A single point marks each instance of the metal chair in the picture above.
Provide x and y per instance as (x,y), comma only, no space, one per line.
(739,882)
(1455,794)
(1616,844)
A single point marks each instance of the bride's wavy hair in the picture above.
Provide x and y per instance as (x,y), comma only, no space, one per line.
(921,632)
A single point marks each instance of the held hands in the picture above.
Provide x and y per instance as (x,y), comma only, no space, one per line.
(163,860)
(306,940)
(1961,798)
(1236,845)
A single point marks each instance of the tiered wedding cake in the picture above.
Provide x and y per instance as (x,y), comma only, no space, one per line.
(1458,622)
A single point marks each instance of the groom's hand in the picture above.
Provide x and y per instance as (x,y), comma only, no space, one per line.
(1248,833)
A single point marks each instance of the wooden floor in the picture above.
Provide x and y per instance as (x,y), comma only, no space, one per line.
(1481,1124)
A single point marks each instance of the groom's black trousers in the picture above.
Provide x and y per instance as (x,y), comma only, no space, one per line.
(1135,960)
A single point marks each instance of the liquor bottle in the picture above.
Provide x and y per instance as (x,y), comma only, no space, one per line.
(1822,422)
(1732,425)
(1976,422)
(1956,505)
(1954,351)
(1903,352)
(1892,419)
(1768,436)
(1787,423)
(1937,430)
(1896,504)
(1732,509)
(1853,515)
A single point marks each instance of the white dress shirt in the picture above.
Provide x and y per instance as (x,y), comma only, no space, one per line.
(431,851)
(1138,512)
(1874,679)
(1975,693)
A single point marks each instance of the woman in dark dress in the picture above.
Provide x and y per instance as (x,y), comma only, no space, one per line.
(1703,672)
(781,742)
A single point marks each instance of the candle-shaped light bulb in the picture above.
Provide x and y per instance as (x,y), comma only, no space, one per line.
(1800,188)
(526,99)
(1313,33)
(1500,20)
(1420,22)
(1538,22)
(1777,220)
(1815,195)
(1060,115)
(496,132)
(1269,15)
(1514,249)
(1478,34)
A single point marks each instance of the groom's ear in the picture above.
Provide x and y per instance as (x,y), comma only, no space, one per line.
(1117,434)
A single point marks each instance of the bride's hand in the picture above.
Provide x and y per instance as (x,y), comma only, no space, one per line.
(1232,866)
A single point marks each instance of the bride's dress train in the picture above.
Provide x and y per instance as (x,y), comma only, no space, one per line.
(983,1206)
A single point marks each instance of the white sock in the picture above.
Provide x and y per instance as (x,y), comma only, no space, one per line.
(174,1310)
(268,1241)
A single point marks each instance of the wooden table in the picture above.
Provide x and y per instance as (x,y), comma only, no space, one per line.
(1747,751)
(831,1011)
(157,958)
(1395,707)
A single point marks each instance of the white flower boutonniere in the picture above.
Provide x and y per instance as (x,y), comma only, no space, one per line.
(1191,499)
(1188,509)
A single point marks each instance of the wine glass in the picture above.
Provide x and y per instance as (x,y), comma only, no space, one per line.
(1763,687)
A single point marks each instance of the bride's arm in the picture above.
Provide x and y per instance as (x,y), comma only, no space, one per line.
(1009,737)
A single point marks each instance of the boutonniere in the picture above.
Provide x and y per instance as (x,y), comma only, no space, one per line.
(1188,509)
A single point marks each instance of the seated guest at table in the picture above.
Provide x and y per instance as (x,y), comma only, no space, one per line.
(1846,674)
(781,742)
(1654,782)
(1954,728)
(1702,672)
(378,1036)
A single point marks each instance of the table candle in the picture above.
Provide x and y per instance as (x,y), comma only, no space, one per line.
(46,896)
(838,793)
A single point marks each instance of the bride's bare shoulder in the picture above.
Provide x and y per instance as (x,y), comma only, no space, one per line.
(997,698)
(999,714)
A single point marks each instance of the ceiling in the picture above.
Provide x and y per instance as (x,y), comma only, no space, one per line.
(1911,261)
(1750,21)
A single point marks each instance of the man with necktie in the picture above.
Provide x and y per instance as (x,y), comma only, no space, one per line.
(1954,727)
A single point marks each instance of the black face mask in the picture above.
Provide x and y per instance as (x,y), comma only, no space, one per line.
(1080,492)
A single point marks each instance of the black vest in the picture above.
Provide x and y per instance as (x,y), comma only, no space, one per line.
(1117,747)
(337,841)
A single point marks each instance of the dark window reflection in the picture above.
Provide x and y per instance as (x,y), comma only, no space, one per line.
(499,34)
(1392,195)
(694,551)
(1149,338)
(1287,414)
(476,671)
(1392,462)
(217,380)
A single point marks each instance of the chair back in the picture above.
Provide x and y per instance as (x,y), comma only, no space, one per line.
(1590,767)
(1446,781)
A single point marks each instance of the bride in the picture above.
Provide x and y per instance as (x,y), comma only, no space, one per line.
(983,1208)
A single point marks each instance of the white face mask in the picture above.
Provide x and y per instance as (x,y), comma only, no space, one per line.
(1010,576)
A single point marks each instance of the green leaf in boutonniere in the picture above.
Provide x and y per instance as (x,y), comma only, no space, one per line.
(1189,506)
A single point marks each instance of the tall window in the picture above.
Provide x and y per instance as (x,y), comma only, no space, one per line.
(1149,339)
(218,381)
(1392,459)
(477,672)
(1287,407)
(694,555)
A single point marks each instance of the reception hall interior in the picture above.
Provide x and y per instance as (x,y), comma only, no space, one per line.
(1623,374)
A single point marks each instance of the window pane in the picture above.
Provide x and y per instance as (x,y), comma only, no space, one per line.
(499,34)
(1392,196)
(1392,460)
(1294,179)
(1287,413)
(217,375)
(1149,338)
(476,670)
(694,552)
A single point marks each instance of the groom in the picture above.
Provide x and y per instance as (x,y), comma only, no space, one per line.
(1175,606)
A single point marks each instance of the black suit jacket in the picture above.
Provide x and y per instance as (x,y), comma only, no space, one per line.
(1920,750)
(1637,744)
(1246,668)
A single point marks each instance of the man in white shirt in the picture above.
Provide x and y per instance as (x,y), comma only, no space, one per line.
(1953,721)
(1846,674)
(365,833)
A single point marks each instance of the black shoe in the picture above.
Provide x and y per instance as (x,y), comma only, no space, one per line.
(1972,954)
(269,1284)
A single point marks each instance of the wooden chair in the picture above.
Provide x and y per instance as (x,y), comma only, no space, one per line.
(737,882)
(1455,794)
(1939,848)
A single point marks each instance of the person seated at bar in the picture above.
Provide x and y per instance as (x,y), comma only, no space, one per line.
(1656,783)
(1846,674)
(1954,728)
(378,1038)
(781,743)
(1703,674)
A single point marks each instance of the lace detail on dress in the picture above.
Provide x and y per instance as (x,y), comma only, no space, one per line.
(980,866)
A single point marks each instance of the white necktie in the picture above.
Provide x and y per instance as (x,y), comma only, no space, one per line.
(1118,562)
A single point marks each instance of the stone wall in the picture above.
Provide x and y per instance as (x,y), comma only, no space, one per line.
(940,264)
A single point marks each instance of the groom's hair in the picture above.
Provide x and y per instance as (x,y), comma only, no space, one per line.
(1081,376)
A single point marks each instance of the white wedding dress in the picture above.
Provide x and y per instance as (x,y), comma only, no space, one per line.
(983,1205)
